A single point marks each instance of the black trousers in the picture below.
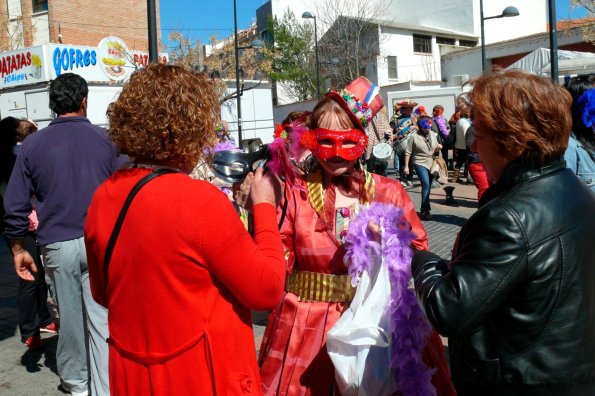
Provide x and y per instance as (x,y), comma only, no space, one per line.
(444,151)
(378,167)
(32,296)
(461,160)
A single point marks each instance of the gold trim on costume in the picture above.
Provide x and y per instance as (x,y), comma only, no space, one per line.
(316,191)
(315,286)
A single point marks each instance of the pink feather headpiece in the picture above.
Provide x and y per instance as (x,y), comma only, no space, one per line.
(285,149)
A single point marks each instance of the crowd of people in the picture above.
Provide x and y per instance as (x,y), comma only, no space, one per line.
(156,271)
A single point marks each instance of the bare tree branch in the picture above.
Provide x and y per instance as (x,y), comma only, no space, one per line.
(13,32)
(588,29)
(351,35)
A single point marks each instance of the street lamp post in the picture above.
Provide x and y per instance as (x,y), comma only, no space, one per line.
(236,50)
(508,12)
(309,15)
(152,27)
(255,44)
(553,40)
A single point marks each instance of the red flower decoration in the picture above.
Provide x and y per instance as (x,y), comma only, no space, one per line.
(278,130)
(308,139)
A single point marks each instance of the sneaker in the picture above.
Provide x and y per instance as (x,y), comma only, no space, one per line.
(409,183)
(34,342)
(51,328)
(66,389)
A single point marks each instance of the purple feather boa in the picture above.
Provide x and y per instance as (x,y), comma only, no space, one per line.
(441,122)
(409,328)
(226,145)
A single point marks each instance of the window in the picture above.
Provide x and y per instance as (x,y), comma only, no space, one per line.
(266,36)
(40,5)
(392,67)
(445,40)
(422,44)
(467,43)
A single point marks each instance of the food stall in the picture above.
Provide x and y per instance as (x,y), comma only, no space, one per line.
(25,75)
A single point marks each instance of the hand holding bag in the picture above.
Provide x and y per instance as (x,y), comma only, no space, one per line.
(358,343)
(439,170)
(376,346)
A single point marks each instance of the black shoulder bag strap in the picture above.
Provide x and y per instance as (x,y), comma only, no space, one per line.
(284,208)
(116,231)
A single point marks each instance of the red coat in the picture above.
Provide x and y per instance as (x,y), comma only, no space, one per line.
(182,279)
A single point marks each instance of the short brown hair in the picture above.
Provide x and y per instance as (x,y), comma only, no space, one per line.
(523,111)
(465,112)
(24,129)
(165,115)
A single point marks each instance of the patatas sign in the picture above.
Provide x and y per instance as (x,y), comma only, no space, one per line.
(111,61)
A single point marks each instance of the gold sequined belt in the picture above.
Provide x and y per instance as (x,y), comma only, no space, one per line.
(314,286)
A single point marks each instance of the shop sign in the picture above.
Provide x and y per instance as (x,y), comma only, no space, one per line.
(76,59)
(141,58)
(70,59)
(115,61)
(21,67)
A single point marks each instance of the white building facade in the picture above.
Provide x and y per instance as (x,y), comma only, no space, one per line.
(412,36)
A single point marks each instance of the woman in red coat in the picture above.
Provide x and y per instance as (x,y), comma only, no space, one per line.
(184,273)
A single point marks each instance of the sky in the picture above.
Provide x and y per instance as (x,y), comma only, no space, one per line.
(201,19)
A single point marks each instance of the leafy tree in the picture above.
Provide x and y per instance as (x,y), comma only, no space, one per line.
(220,64)
(292,56)
(185,52)
(254,64)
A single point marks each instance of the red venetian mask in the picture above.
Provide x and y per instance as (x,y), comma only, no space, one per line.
(325,144)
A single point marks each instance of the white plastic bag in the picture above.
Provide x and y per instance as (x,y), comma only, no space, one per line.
(359,343)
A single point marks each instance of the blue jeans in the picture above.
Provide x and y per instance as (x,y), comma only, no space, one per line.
(426,181)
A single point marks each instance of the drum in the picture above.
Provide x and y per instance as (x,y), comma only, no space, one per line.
(382,152)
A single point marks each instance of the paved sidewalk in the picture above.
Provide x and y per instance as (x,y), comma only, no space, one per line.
(24,373)
(446,220)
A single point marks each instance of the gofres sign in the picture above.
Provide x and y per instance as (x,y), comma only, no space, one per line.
(112,61)
(68,59)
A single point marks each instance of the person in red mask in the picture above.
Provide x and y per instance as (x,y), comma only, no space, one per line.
(293,358)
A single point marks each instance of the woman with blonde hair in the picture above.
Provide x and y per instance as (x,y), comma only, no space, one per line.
(321,206)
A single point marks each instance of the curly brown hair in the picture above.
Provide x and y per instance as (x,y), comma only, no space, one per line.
(165,115)
(524,113)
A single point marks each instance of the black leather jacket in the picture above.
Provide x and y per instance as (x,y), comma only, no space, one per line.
(517,301)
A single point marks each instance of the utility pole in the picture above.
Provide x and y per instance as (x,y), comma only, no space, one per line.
(152,26)
(553,40)
(238,93)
